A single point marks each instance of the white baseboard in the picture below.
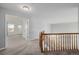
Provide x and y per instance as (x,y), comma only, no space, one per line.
(2,49)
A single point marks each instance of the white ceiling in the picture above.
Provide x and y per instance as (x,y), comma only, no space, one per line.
(36,7)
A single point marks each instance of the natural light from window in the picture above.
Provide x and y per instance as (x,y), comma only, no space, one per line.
(10,27)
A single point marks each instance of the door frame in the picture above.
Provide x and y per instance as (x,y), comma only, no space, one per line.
(6,29)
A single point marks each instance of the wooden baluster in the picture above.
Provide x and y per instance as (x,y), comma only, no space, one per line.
(52,43)
(64,40)
(56,42)
(44,43)
(68,45)
(69,42)
(45,36)
(72,41)
(75,41)
(61,42)
(49,43)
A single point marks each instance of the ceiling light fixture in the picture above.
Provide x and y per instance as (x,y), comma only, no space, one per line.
(27,8)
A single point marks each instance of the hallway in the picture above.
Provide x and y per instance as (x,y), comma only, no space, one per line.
(17,45)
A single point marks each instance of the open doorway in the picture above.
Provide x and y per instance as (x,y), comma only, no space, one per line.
(16,30)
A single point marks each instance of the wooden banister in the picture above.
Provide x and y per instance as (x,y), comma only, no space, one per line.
(58,41)
(58,33)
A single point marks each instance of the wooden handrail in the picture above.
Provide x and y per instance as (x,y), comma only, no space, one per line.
(57,33)
(63,41)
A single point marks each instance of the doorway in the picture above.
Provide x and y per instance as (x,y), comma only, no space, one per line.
(17,30)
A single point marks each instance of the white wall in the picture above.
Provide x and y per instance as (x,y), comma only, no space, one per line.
(64,27)
(2,30)
(62,15)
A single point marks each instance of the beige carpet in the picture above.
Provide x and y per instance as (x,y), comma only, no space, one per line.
(17,45)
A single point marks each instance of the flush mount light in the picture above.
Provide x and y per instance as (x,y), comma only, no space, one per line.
(27,8)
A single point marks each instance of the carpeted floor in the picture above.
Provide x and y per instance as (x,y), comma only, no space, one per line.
(17,45)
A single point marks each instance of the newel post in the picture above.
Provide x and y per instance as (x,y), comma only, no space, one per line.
(41,41)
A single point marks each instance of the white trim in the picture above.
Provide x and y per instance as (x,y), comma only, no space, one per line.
(6,33)
(2,49)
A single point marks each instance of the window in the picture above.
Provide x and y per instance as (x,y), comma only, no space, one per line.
(10,27)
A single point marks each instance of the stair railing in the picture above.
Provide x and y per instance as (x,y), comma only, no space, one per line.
(58,41)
